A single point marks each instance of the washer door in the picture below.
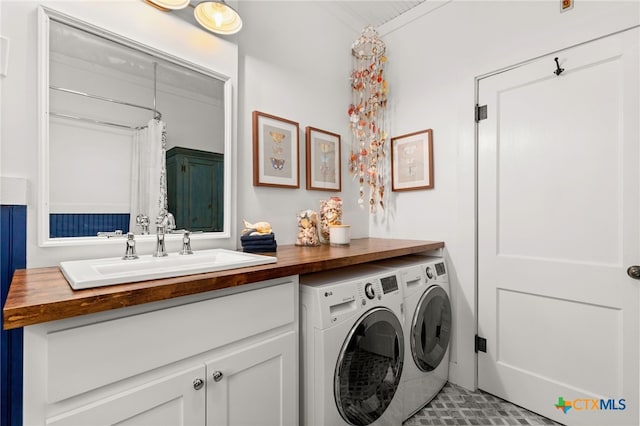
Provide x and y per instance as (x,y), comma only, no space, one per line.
(431,328)
(369,367)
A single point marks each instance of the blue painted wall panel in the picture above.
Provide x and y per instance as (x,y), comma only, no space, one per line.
(86,224)
(13,255)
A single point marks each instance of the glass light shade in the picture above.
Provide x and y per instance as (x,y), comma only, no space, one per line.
(170,4)
(217,17)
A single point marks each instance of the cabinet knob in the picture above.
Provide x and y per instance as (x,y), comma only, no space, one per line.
(634,272)
(217,376)
(198,384)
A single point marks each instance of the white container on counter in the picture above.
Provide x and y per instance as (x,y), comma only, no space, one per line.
(339,234)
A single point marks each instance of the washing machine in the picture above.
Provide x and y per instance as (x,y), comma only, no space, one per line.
(424,283)
(352,347)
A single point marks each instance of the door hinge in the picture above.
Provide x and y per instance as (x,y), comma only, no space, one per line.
(481,112)
(481,344)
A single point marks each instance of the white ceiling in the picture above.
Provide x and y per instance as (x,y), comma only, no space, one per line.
(71,42)
(358,14)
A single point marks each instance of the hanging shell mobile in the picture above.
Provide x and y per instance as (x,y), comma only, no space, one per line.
(366,117)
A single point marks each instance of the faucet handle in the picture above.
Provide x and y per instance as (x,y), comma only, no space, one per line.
(130,252)
(171,223)
(142,221)
(160,247)
(186,243)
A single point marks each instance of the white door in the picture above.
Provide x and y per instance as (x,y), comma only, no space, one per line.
(558,213)
(255,385)
(174,400)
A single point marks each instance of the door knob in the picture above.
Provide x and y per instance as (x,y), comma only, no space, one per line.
(634,272)
(198,384)
(217,376)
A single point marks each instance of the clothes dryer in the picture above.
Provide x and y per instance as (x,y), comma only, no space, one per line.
(352,347)
(424,284)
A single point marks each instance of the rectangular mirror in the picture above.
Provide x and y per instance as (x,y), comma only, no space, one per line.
(127,130)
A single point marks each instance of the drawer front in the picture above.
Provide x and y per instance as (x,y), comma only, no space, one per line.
(84,358)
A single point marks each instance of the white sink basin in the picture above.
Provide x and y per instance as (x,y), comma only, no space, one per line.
(100,272)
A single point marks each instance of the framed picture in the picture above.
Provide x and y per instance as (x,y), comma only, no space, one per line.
(412,161)
(275,151)
(323,160)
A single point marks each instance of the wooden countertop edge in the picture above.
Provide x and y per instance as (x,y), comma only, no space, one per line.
(42,294)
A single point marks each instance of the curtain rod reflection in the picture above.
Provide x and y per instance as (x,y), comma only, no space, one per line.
(91,120)
(156,114)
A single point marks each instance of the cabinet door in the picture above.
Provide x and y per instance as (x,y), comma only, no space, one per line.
(195,182)
(172,400)
(201,200)
(256,385)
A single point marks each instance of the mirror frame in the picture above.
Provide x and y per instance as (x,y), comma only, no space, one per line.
(45,15)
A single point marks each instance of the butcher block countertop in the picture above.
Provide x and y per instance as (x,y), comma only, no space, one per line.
(43,294)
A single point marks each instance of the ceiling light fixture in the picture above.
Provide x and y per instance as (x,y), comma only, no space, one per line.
(167,5)
(217,16)
(214,15)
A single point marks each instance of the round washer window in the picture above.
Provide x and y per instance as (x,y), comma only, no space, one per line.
(369,367)
(431,328)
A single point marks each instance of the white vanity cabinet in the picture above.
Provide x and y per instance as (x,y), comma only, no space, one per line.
(225,357)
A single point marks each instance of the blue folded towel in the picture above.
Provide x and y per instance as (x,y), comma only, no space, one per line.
(260,248)
(260,245)
(266,238)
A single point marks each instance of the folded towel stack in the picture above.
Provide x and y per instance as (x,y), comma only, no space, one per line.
(259,243)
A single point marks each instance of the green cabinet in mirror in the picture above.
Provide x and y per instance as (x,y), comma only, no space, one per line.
(195,189)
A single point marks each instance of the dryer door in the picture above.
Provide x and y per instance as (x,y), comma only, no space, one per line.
(431,328)
(369,367)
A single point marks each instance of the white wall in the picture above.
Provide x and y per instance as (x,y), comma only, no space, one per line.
(294,63)
(19,134)
(435,53)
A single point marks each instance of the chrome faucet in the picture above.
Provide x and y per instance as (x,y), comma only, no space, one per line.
(161,251)
(130,252)
(186,243)
(143,222)
(167,220)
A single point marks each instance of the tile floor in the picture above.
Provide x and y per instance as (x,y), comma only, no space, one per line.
(457,406)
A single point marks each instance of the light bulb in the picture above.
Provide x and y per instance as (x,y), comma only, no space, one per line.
(217,17)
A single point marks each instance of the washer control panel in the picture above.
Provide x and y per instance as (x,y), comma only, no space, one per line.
(375,288)
(343,294)
(435,270)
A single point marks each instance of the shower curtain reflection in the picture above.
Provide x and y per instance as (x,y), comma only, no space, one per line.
(148,175)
